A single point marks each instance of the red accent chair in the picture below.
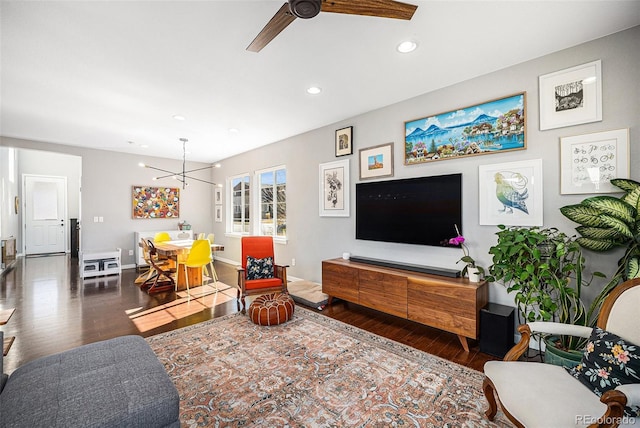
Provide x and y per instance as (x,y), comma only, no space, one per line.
(259,247)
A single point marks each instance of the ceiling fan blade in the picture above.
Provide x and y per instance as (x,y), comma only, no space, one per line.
(381,8)
(279,22)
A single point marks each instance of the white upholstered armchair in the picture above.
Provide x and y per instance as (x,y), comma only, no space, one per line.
(543,395)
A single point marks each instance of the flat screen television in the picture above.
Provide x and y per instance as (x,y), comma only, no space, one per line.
(421,210)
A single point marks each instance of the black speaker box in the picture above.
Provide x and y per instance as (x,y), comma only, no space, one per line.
(496,329)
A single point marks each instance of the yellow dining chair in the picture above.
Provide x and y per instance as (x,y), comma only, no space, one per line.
(162,237)
(201,235)
(210,237)
(199,257)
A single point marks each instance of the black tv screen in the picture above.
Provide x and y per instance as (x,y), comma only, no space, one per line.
(420,210)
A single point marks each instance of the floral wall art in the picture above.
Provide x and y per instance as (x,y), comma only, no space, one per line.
(334,189)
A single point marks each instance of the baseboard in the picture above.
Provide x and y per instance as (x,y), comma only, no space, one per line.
(228,261)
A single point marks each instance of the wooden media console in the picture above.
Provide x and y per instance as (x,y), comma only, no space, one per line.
(450,304)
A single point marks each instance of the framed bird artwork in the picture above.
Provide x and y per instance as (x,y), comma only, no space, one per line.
(511,193)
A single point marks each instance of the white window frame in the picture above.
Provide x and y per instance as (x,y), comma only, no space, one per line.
(229,204)
(256,203)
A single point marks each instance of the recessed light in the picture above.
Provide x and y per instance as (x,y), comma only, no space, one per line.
(407,46)
(314,90)
(234,130)
(178,117)
(144,146)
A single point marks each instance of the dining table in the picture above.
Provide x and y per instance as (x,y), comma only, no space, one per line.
(179,250)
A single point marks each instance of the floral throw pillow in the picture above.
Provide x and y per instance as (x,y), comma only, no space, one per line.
(608,361)
(259,268)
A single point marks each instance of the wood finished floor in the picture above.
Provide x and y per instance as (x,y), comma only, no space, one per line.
(56,311)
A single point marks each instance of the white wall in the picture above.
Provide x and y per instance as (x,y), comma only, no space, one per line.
(107,181)
(9,220)
(38,162)
(313,238)
(108,176)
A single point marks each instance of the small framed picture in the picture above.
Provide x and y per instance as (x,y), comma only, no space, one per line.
(344,141)
(376,161)
(589,162)
(571,96)
(334,189)
(511,193)
(218,212)
(218,195)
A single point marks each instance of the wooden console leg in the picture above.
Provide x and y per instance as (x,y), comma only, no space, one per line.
(463,341)
(329,300)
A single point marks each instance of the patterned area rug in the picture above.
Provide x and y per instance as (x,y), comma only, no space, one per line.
(313,371)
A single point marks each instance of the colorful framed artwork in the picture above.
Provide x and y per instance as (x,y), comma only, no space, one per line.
(334,189)
(156,202)
(511,193)
(344,141)
(376,161)
(588,162)
(491,127)
(571,96)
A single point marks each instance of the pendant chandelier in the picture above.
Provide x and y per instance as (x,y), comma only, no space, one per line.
(182,175)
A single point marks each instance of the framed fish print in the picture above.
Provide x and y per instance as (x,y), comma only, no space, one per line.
(511,193)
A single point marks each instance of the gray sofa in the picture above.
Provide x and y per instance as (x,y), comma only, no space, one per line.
(114,383)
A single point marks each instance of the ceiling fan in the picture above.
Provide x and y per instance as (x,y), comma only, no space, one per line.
(306,9)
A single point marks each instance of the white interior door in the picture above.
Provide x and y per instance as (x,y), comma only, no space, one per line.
(45,212)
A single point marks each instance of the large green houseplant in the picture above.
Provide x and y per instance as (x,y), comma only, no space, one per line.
(607,223)
(543,269)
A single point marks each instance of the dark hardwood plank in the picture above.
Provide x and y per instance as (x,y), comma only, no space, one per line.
(55,310)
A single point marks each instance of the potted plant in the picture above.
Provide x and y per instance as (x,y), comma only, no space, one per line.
(607,223)
(470,269)
(543,268)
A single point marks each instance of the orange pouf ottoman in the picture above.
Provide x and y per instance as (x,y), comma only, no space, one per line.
(272,309)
